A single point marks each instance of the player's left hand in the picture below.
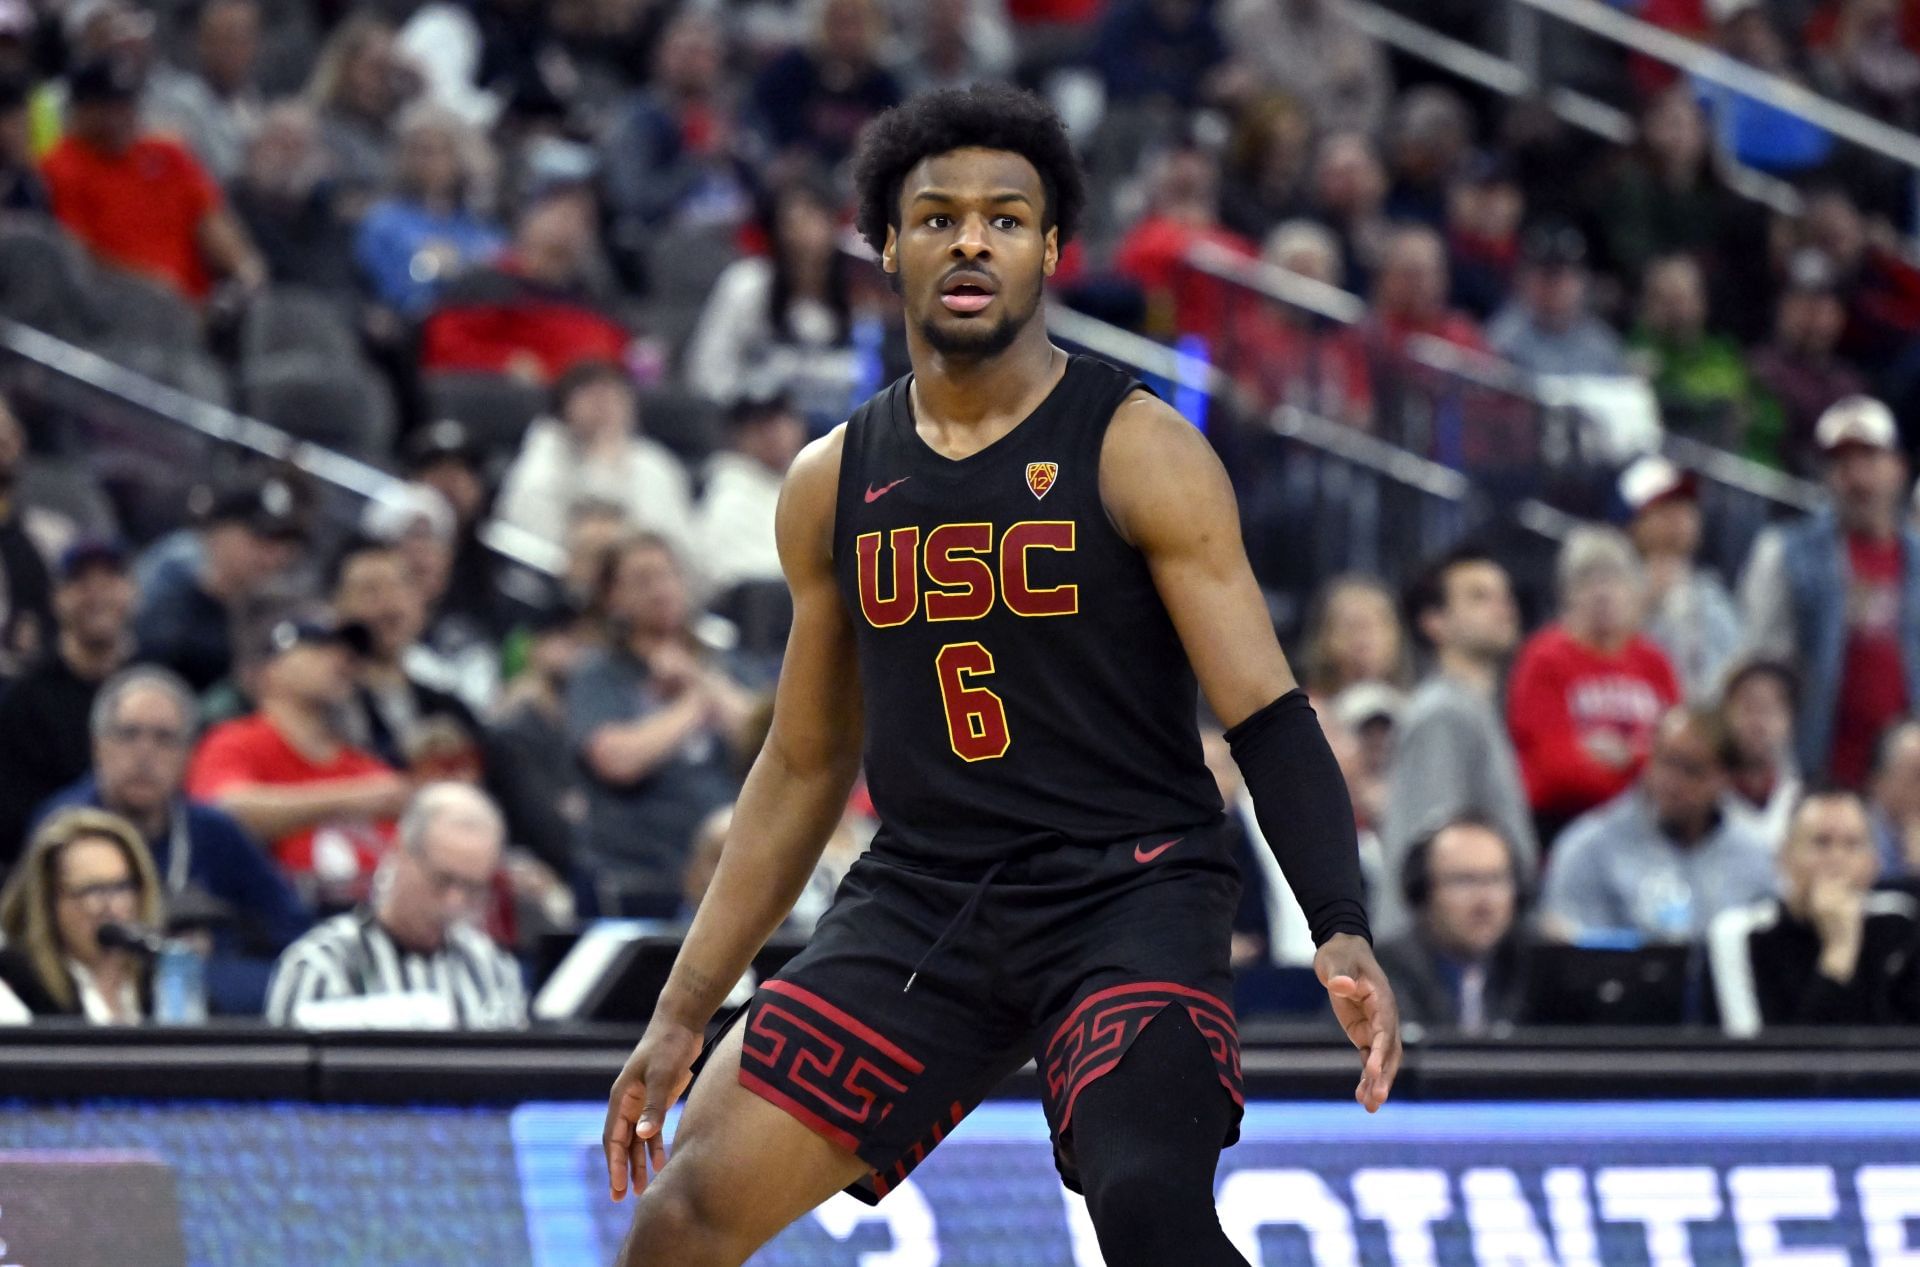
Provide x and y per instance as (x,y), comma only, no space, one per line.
(1363,1004)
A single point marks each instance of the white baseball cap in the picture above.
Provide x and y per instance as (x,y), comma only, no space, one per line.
(1652,479)
(1856,420)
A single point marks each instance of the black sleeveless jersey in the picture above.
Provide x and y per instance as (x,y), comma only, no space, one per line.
(1024,685)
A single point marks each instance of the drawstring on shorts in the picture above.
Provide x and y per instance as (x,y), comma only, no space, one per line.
(960,921)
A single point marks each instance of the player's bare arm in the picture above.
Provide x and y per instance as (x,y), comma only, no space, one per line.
(792,800)
(1169,495)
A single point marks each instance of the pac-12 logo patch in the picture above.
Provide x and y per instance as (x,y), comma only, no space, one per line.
(1040,476)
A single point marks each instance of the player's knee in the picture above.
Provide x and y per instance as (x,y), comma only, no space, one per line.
(678,1221)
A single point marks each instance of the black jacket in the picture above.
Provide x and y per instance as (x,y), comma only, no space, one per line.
(17,974)
(1765,965)
(1426,983)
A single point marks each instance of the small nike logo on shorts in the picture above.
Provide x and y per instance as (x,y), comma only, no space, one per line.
(1143,854)
(875,494)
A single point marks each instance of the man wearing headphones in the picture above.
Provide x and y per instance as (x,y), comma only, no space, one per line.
(1462,964)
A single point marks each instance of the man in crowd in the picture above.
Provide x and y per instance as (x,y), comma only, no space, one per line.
(734,524)
(44,742)
(650,720)
(1690,615)
(815,98)
(1550,328)
(414,957)
(216,107)
(1828,952)
(289,776)
(1763,787)
(143,724)
(138,201)
(1588,689)
(249,536)
(1663,859)
(1895,800)
(1839,595)
(1453,753)
(1461,965)
(26,592)
(445,457)
(1800,374)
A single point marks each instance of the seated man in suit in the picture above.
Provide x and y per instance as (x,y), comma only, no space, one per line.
(1461,965)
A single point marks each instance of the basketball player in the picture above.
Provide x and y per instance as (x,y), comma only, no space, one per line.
(1007,570)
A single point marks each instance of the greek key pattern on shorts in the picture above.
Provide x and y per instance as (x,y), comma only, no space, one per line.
(1093,1038)
(832,1072)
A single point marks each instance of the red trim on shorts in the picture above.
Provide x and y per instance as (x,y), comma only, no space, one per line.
(1211,1016)
(800,1112)
(839,1017)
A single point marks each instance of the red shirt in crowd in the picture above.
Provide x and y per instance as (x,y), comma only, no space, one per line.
(252,752)
(140,209)
(1873,680)
(501,323)
(1564,696)
(1153,254)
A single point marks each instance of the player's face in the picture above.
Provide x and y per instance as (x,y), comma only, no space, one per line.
(970,250)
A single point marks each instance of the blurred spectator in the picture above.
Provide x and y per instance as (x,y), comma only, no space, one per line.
(1369,713)
(1350,195)
(650,720)
(1757,703)
(413,957)
(1283,355)
(427,232)
(1463,964)
(138,201)
(324,807)
(143,726)
(1353,635)
(44,714)
(592,448)
(594,527)
(359,85)
(85,32)
(1880,285)
(1799,375)
(1268,926)
(817,97)
(444,456)
(249,536)
(289,203)
(534,313)
(1895,806)
(1263,176)
(21,188)
(1699,377)
(734,524)
(1484,211)
(18,23)
(1589,689)
(1549,328)
(1452,755)
(1410,294)
(1315,53)
(531,768)
(1690,615)
(1828,951)
(1662,859)
(216,106)
(1839,595)
(1183,211)
(787,315)
(1868,64)
(704,858)
(392,713)
(954,44)
(83,868)
(454,652)
(26,591)
(1159,52)
(1759,133)
(1430,140)
(673,154)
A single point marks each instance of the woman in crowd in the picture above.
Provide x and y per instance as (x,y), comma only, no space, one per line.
(1353,636)
(427,230)
(83,869)
(358,86)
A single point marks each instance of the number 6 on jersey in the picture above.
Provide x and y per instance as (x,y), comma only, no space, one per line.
(976,718)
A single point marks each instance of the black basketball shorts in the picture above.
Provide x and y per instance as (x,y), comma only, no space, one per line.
(921,992)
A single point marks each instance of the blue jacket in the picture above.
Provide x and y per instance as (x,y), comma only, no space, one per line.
(1817,573)
(224,861)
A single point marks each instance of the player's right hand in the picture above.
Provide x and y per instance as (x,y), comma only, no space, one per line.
(656,1073)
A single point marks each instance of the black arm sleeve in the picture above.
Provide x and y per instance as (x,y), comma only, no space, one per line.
(1301,800)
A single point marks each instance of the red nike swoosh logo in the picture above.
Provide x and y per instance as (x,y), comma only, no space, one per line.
(875,494)
(1143,854)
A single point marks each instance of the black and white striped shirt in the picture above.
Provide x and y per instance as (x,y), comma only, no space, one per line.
(470,983)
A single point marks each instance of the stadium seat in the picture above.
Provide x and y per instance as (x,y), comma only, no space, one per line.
(45,278)
(684,421)
(339,406)
(496,408)
(141,311)
(295,319)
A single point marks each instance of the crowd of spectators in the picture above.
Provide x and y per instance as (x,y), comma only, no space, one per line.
(583,269)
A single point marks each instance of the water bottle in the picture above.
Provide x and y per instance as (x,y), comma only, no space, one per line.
(179,985)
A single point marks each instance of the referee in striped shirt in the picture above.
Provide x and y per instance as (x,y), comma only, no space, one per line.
(414,957)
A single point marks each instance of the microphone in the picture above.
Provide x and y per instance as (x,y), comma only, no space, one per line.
(135,937)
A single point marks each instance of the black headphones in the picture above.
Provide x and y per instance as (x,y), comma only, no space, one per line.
(1416,870)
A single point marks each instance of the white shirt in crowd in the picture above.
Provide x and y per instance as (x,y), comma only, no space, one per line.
(551,476)
(735,523)
(469,983)
(735,344)
(93,1001)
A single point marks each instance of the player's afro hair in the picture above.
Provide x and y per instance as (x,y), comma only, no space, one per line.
(986,116)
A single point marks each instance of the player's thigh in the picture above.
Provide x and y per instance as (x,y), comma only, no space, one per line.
(739,1169)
